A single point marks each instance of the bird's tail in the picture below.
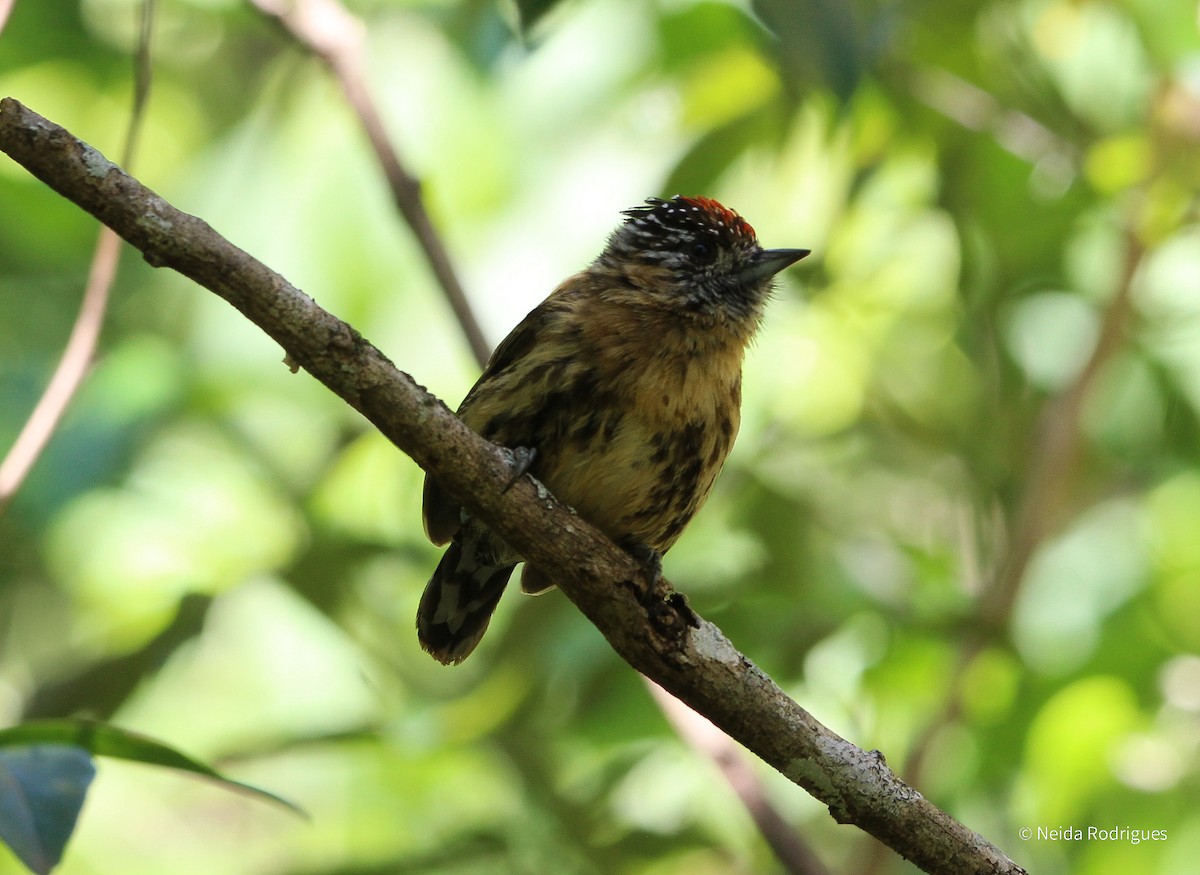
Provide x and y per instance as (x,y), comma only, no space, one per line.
(460,598)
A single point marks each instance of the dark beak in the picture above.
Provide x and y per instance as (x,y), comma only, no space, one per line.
(769,263)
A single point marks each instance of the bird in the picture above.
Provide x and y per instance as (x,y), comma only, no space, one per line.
(620,393)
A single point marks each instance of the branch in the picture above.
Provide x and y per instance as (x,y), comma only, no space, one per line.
(335,36)
(645,623)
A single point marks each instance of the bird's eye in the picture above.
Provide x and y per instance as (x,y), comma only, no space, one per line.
(703,252)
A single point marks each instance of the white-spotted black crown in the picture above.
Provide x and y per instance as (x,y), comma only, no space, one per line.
(689,226)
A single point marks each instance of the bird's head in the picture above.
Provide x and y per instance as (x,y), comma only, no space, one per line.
(694,254)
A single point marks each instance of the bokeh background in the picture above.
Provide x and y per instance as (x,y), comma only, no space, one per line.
(961,523)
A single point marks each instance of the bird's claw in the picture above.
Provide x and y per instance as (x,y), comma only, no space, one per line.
(521,460)
(664,611)
(650,559)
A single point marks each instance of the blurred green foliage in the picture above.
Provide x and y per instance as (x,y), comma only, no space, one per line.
(220,554)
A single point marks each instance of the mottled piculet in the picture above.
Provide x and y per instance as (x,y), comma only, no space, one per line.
(626,385)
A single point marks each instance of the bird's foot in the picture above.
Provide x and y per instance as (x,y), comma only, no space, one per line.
(650,559)
(666,607)
(520,460)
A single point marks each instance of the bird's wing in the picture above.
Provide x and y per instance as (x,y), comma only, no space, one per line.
(441,514)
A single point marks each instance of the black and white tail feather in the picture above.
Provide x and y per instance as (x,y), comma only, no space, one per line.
(461,596)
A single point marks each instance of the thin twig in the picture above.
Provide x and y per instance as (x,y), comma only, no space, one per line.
(68,376)
(6,7)
(333,34)
(790,849)
(77,356)
(643,620)
(1045,496)
(1057,443)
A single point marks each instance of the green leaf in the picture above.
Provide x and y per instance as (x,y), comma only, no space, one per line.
(42,788)
(102,739)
